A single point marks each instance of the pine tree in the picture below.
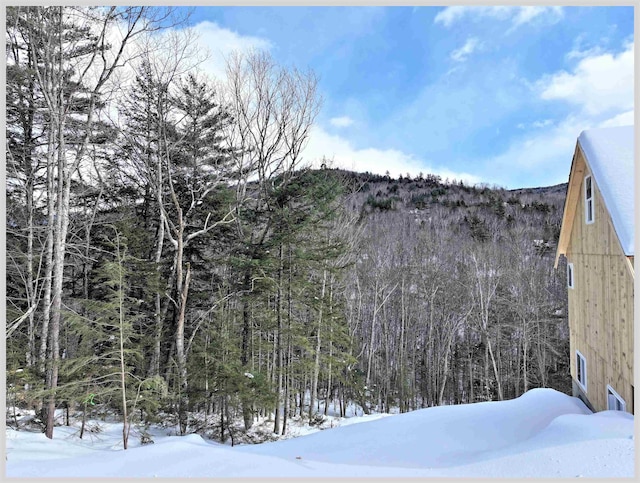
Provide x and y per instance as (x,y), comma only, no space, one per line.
(108,369)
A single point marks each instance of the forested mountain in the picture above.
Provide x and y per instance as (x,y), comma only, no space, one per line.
(454,293)
(167,252)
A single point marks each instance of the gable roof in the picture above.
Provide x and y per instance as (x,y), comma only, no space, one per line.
(609,153)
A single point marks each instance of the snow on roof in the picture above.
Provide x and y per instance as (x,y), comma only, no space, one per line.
(609,152)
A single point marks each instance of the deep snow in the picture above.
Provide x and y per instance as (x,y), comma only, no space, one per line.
(541,434)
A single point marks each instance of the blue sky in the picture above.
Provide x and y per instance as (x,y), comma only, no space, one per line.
(496,95)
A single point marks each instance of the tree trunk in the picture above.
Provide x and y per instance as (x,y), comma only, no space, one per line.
(247,405)
(278,348)
(316,365)
(31,290)
(372,336)
(123,385)
(154,366)
(495,369)
(63,191)
(525,350)
(180,354)
(48,264)
(401,356)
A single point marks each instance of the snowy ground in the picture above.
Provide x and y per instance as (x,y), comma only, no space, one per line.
(541,434)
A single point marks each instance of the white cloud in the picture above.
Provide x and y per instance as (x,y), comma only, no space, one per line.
(600,89)
(342,121)
(577,53)
(527,14)
(582,48)
(541,124)
(517,15)
(545,154)
(598,84)
(470,46)
(450,15)
(344,155)
(622,119)
(220,42)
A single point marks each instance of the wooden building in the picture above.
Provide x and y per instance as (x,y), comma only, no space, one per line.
(597,239)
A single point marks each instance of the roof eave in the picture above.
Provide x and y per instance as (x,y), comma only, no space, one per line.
(570,202)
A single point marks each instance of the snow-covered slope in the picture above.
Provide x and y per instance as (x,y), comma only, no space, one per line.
(543,434)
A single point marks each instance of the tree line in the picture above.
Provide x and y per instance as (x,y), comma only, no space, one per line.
(169,253)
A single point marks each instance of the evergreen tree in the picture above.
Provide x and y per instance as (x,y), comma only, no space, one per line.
(108,369)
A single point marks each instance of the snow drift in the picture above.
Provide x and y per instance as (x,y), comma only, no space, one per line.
(543,433)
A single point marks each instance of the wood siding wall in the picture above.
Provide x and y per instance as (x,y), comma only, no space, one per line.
(601,303)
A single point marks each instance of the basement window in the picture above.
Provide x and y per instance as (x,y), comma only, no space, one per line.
(614,401)
(588,200)
(581,371)
(570,275)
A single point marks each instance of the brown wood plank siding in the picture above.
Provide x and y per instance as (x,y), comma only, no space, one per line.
(601,304)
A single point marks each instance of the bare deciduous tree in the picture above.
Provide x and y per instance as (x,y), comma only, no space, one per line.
(273,109)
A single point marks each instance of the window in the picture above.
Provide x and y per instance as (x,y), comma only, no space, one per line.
(581,371)
(588,200)
(614,401)
(570,275)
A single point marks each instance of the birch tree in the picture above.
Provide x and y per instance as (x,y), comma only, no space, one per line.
(74,58)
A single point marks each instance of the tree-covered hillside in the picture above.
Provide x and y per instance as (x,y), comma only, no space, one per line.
(453,295)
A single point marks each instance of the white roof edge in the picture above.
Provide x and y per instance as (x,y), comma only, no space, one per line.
(610,155)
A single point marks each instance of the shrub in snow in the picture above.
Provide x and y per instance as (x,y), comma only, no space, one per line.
(317,420)
(145,438)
